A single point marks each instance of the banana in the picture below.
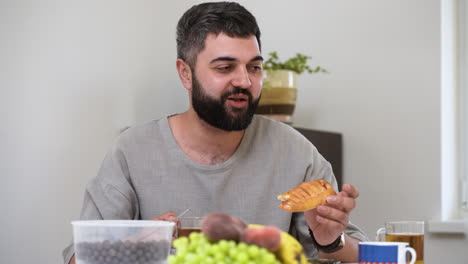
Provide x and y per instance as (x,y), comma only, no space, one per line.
(290,250)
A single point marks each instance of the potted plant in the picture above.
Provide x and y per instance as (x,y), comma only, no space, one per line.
(279,91)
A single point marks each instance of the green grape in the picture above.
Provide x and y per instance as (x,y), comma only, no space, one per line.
(193,245)
(191,258)
(219,256)
(262,251)
(209,260)
(223,244)
(172,259)
(214,248)
(232,243)
(202,250)
(180,257)
(268,258)
(182,252)
(242,257)
(233,252)
(253,251)
(203,239)
(228,260)
(194,236)
(242,246)
(202,255)
(180,242)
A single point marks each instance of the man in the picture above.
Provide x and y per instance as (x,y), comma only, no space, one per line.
(218,156)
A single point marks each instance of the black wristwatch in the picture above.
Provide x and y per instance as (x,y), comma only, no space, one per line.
(333,247)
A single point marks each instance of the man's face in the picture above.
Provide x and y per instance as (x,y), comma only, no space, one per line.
(227,81)
(218,113)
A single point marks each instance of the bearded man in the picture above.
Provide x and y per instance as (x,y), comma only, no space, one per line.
(218,156)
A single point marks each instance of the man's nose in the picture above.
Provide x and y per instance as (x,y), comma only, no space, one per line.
(242,79)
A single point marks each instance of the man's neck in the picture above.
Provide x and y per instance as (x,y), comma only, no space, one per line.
(202,142)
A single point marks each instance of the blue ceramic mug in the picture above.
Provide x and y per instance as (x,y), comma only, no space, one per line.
(385,253)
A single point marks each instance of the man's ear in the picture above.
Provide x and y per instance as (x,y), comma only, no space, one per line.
(185,73)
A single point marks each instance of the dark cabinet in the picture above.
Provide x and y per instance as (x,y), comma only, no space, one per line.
(329,144)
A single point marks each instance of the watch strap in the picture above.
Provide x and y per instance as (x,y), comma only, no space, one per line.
(330,248)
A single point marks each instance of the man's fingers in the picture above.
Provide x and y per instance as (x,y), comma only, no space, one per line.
(333,214)
(167,216)
(351,191)
(341,202)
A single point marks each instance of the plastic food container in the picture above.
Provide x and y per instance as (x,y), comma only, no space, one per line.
(122,241)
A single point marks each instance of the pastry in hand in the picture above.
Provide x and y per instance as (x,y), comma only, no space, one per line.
(306,196)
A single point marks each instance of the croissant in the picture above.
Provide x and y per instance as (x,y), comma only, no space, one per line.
(306,196)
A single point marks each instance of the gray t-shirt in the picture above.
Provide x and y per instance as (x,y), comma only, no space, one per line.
(147,174)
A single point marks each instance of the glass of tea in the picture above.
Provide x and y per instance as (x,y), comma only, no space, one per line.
(411,232)
(189,225)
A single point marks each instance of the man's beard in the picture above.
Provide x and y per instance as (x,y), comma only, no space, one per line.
(215,111)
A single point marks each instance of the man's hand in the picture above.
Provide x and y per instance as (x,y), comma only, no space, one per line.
(167,216)
(329,221)
(171,217)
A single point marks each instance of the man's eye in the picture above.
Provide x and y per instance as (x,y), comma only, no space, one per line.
(224,68)
(255,68)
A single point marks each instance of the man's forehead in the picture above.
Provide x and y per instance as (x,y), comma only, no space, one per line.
(222,45)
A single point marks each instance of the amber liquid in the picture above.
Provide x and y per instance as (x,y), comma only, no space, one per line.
(415,241)
(186,231)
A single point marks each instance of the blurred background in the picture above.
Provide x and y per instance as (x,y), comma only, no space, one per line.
(74,73)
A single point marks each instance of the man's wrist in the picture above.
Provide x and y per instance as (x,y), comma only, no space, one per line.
(330,248)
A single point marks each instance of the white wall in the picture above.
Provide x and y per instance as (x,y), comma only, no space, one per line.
(72,74)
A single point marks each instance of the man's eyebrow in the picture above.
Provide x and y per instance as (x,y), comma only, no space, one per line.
(223,59)
(257,58)
(227,58)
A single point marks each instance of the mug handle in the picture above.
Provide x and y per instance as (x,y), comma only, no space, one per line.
(413,254)
(380,234)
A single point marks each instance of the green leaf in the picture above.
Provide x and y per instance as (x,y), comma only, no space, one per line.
(297,64)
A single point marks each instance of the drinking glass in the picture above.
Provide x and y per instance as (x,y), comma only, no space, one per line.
(189,225)
(411,232)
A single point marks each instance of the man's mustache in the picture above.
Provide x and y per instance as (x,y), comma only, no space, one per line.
(237,90)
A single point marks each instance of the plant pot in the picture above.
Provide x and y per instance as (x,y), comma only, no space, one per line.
(278,95)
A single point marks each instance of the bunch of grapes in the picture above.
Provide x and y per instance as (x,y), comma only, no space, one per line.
(198,249)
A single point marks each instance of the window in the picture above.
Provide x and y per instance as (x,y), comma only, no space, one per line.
(463,88)
(454,114)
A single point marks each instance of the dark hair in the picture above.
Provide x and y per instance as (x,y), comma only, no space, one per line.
(196,23)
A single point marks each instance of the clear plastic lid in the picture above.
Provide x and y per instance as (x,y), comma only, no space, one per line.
(122,223)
